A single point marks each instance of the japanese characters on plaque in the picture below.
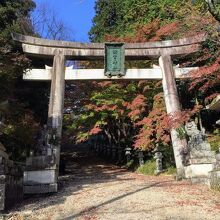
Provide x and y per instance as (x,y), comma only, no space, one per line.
(114,59)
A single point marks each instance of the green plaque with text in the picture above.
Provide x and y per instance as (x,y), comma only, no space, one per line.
(114,59)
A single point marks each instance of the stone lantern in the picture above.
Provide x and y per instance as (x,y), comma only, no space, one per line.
(159,163)
(128,153)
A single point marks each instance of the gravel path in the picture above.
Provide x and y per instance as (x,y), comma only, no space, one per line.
(96,191)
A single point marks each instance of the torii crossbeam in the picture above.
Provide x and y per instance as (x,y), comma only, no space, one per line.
(98,74)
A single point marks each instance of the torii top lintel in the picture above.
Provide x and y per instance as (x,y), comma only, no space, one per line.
(89,51)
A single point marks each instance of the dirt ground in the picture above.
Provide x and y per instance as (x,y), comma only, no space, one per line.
(94,190)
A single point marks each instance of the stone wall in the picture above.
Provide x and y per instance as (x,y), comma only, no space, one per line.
(11,183)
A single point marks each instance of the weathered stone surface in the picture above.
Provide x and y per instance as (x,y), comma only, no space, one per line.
(40,188)
(55,112)
(196,153)
(42,171)
(2,196)
(198,147)
(11,186)
(215,179)
(217,163)
(98,74)
(200,159)
(39,177)
(173,108)
(68,44)
(203,160)
(218,157)
(79,51)
(41,181)
(200,171)
(89,54)
(200,179)
(159,161)
(40,162)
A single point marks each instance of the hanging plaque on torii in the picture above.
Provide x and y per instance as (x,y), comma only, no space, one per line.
(114,59)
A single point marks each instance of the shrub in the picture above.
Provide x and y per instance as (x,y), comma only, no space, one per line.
(148,168)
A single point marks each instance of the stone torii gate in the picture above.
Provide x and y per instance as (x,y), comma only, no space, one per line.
(60,51)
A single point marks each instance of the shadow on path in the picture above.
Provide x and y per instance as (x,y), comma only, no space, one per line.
(92,208)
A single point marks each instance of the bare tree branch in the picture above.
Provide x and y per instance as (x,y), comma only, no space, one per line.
(47,24)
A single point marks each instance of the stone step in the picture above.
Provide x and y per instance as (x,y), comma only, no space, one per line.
(202,153)
(200,179)
(39,177)
(202,160)
(198,170)
(40,189)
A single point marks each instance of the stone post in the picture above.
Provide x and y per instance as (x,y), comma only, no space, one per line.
(141,157)
(55,113)
(172,107)
(159,163)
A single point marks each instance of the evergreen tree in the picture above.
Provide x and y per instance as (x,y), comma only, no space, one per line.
(18,126)
(14,17)
(120,18)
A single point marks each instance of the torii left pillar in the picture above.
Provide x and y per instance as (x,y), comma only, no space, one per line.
(41,175)
(56,103)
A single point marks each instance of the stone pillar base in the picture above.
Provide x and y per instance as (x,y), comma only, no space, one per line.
(198,173)
(40,175)
(40,188)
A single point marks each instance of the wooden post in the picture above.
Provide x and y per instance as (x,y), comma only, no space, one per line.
(173,107)
(55,112)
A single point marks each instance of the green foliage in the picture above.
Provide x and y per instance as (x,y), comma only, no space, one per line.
(121,18)
(168,157)
(19,132)
(148,168)
(170,171)
(130,164)
(14,17)
(214,141)
(181,132)
(19,126)
(105,109)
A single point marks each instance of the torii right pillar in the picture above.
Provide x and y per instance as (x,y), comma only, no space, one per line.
(173,108)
